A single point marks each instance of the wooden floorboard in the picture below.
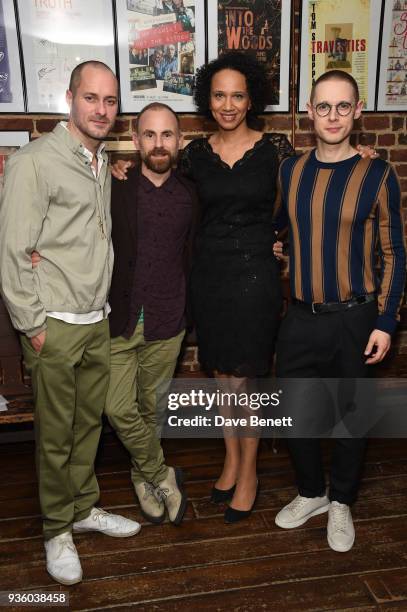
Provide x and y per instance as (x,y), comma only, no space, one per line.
(207,565)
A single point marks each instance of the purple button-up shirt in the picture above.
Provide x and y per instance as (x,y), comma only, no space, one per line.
(164,216)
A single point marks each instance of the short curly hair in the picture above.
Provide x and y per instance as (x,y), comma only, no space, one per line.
(251,69)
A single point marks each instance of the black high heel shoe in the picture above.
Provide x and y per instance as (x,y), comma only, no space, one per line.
(220,496)
(233,516)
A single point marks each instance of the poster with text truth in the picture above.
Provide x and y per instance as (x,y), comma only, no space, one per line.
(392,95)
(260,28)
(161,45)
(56,37)
(342,35)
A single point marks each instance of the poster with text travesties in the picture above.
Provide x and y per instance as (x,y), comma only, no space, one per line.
(392,93)
(57,35)
(161,45)
(261,29)
(342,35)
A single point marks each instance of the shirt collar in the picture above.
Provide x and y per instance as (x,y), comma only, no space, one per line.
(74,144)
(169,185)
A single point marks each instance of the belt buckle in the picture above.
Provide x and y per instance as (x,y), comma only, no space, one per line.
(313,307)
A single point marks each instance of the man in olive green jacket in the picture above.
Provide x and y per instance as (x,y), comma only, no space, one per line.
(56,200)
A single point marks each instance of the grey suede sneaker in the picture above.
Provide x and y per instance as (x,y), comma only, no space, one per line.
(171,492)
(152,509)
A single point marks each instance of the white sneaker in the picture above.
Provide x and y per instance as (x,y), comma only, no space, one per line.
(110,524)
(298,511)
(340,531)
(62,559)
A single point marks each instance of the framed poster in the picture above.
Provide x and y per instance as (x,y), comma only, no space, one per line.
(11,85)
(343,35)
(56,37)
(392,94)
(260,28)
(161,44)
(9,143)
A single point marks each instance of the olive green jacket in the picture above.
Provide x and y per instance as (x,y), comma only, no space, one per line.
(52,203)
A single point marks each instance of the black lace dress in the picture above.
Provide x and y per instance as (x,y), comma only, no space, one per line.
(235,279)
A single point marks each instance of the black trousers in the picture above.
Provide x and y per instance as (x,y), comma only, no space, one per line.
(326,345)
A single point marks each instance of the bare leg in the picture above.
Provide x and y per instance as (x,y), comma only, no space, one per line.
(246,486)
(241,452)
(230,470)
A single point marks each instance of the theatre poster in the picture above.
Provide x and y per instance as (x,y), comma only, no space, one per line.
(260,28)
(10,142)
(57,35)
(392,94)
(11,89)
(342,35)
(161,43)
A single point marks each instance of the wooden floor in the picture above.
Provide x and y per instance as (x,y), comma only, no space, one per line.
(205,564)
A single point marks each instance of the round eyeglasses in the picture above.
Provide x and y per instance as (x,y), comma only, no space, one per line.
(342,108)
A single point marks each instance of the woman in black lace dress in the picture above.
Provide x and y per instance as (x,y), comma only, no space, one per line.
(235,284)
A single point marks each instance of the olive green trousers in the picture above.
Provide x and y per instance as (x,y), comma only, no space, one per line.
(135,403)
(70,378)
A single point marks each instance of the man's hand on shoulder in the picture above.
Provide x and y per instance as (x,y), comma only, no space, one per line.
(37,341)
(120,167)
(377,346)
(367,151)
(278,250)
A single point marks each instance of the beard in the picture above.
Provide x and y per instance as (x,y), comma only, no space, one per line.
(162,165)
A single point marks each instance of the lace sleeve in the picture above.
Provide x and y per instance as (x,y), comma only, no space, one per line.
(190,156)
(283,146)
(185,164)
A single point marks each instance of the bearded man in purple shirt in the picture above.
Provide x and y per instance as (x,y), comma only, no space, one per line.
(153,218)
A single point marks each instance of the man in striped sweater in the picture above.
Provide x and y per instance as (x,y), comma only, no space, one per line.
(340,209)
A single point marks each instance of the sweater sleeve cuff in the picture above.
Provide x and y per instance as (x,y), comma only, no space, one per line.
(37,330)
(386,323)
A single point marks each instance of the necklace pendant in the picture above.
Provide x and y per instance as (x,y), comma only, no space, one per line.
(100,223)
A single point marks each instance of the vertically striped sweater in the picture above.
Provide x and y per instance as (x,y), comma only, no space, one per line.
(338,214)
